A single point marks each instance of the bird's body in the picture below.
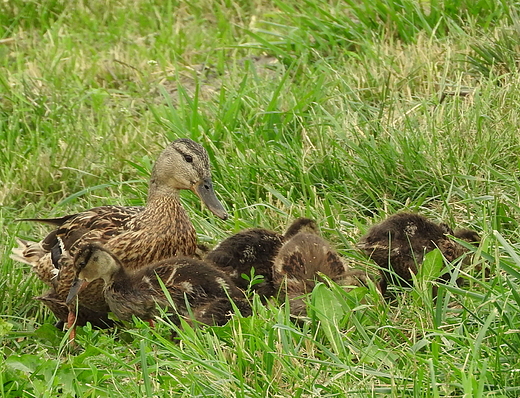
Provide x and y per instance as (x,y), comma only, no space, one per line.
(399,243)
(193,286)
(136,235)
(255,249)
(301,262)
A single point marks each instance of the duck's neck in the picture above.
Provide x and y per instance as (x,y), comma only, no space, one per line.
(163,204)
(171,228)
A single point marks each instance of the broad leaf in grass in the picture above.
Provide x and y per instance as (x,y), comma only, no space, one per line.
(429,270)
(431,267)
(329,312)
(27,363)
(49,333)
(5,327)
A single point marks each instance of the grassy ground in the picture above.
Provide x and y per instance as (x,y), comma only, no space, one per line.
(342,111)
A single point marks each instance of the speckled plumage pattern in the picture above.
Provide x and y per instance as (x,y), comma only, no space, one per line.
(298,266)
(400,242)
(254,248)
(301,258)
(61,311)
(245,250)
(136,235)
(138,293)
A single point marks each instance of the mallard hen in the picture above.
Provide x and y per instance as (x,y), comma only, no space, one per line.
(194,286)
(136,235)
(300,262)
(399,243)
(254,248)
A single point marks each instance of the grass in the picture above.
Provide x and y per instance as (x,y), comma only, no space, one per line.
(342,111)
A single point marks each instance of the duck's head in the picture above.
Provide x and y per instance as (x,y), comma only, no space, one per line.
(184,164)
(92,261)
(302,224)
(468,235)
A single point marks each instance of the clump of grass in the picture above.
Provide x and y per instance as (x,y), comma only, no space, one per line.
(496,56)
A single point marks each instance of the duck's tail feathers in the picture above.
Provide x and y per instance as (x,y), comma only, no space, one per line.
(52,221)
(27,252)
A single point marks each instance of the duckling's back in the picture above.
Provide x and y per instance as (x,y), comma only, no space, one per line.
(400,242)
(302,258)
(252,248)
(401,228)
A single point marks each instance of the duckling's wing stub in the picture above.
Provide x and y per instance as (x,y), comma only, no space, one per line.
(219,311)
(240,253)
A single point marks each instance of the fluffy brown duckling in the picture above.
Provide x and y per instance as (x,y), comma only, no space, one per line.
(300,262)
(254,248)
(399,243)
(136,235)
(194,287)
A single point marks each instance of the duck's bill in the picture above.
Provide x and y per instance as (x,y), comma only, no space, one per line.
(204,190)
(77,286)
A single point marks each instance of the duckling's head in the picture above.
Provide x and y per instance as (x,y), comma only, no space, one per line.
(92,261)
(468,235)
(184,164)
(302,224)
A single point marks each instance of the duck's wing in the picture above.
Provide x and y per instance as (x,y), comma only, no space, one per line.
(46,256)
(102,222)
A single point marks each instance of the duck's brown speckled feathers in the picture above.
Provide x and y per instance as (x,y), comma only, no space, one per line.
(84,315)
(301,261)
(238,254)
(400,242)
(302,258)
(254,248)
(187,280)
(136,235)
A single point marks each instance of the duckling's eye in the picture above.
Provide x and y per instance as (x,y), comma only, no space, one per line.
(188,158)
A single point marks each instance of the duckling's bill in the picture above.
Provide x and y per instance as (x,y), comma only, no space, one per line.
(77,286)
(204,190)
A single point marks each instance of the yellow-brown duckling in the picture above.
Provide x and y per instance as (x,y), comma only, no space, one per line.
(300,262)
(254,248)
(136,235)
(194,287)
(399,243)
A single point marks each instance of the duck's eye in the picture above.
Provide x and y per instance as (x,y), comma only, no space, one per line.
(188,158)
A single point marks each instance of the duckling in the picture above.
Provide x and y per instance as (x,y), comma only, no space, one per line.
(300,262)
(254,248)
(400,242)
(139,292)
(136,235)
